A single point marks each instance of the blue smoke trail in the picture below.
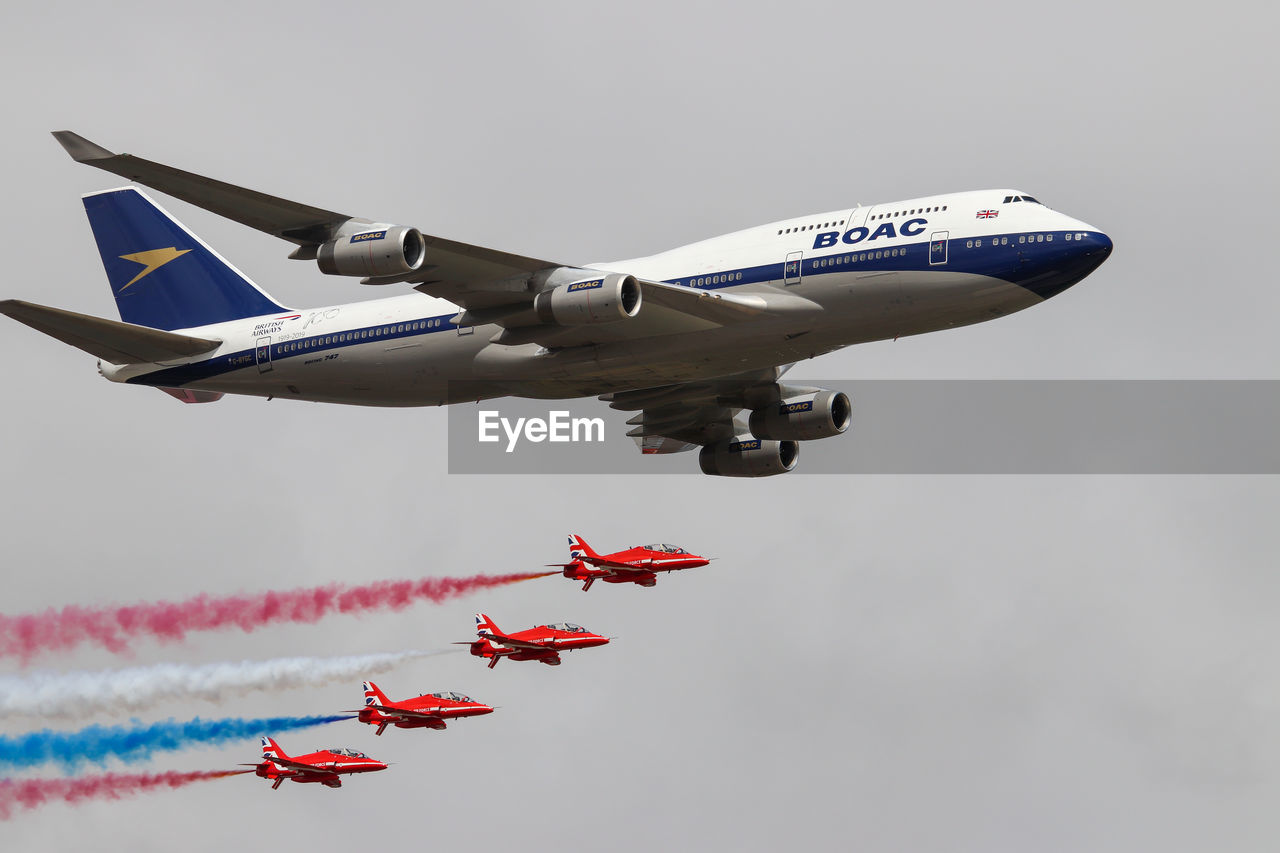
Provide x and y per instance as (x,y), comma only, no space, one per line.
(138,742)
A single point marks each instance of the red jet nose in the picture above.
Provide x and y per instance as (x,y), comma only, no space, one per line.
(480,708)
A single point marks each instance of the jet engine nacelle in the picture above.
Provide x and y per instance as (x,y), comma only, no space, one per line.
(380,250)
(572,297)
(748,456)
(819,415)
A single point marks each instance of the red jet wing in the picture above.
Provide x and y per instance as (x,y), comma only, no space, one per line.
(515,643)
(404,712)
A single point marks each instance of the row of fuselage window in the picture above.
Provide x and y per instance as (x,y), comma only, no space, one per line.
(976,243)
(707,280)
(726,278)
(912,212)
(361,335)
(841,260)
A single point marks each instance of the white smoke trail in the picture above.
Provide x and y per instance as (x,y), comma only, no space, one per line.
(84,693)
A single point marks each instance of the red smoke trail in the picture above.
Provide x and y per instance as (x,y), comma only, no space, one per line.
(112,627)
(33,793)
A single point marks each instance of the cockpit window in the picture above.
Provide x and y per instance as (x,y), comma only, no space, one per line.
(567,626)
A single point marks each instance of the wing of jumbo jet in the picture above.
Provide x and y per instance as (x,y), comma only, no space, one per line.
(302,224)
(680,417)
(492,286)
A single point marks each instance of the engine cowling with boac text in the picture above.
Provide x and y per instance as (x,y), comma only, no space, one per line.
(803,418)
(373,251)
(748,456)
(575,297)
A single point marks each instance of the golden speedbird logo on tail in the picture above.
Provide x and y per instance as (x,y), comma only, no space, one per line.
(151,261)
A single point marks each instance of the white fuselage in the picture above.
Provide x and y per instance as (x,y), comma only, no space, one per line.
(839,278)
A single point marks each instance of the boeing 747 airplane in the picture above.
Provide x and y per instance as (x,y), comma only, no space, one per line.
(694,340)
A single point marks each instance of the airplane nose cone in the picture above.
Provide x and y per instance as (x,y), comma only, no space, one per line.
(483,709)
(1054,271)
(1097,245)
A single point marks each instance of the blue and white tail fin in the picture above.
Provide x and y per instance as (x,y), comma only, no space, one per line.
(162,275)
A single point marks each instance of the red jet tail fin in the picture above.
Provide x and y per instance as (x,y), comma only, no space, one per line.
(271,749)
(485,625)
(579,549)
(374,696)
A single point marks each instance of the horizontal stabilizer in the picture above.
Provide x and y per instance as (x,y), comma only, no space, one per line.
(191,395)
(109,340)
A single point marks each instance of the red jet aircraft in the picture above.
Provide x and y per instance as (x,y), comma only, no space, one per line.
(543,643)
(324,766)
(635,565)
(423,712)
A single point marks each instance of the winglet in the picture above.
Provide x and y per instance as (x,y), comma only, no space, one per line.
(81,149)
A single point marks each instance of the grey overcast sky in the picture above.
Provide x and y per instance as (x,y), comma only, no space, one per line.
(888,663)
